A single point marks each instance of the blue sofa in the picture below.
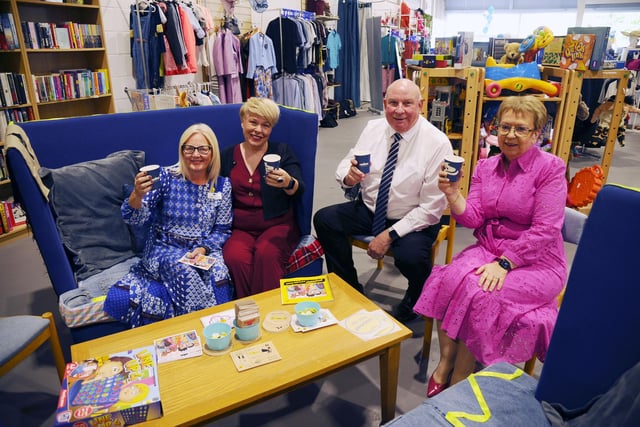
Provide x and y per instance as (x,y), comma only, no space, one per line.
(69,141)
(591,369)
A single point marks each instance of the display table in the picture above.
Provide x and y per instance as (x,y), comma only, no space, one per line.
(206,388)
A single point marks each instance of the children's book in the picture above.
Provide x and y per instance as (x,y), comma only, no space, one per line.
(576,51)
(463,49)
(116,390)
(312,288)
(553,52)
(199,261)
(177,347)
(480,53)
(600,48)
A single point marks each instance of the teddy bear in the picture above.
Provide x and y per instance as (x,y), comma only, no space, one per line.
(512,54)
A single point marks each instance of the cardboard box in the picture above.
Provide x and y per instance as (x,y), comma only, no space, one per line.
(113,390)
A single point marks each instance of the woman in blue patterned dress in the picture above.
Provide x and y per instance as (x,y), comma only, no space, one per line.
(188,211)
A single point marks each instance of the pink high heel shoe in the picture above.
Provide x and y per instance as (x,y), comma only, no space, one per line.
(434,388)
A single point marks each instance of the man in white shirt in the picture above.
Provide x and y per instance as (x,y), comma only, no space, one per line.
(414,206)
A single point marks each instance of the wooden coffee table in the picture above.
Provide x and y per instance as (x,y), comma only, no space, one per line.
(206,388)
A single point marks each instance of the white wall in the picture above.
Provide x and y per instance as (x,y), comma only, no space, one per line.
(115,20)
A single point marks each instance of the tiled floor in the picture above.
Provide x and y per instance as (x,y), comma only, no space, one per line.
(28,394)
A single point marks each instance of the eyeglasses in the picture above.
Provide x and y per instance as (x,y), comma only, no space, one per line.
(190,149)
(520,131)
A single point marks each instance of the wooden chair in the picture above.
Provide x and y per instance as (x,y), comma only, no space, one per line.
(23,335)
(447,232)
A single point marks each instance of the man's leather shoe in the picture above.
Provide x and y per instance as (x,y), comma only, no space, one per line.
(404,314)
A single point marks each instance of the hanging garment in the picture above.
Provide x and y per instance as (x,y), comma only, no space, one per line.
(147,47)
(173,33)
(334,44)
(228,64)
(285,43)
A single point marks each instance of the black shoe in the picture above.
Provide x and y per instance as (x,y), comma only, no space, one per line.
(404,314)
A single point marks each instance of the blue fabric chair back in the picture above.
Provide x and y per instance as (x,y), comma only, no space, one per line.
(594,339)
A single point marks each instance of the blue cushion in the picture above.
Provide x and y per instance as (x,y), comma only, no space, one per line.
(509,402)
(16,332)
(86,199)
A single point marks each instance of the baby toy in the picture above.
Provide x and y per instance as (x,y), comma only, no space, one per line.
(530,46)
(512,54)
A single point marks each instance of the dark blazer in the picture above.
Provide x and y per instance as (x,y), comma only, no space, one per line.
(275,201)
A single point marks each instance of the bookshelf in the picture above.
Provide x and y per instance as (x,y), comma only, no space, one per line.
(40,57)
(5,193)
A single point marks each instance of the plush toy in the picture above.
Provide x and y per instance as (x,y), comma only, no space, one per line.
(512,54)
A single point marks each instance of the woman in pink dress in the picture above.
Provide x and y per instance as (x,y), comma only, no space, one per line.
(496,300)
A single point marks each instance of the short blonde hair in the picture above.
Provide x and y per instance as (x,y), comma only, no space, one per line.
(525,105)
(263,107)
(213,169)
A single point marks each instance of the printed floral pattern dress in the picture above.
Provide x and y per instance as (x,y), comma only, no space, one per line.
(178,216)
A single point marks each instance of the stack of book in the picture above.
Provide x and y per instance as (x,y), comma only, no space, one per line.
(11,216)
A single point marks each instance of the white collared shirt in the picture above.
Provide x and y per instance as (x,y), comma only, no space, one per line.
(414,198)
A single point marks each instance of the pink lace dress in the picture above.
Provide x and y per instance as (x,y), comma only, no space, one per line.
(517,213)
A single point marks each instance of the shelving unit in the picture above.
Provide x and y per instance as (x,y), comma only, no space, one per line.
(566,102)
(5,193)
(472,78)
(46,61)
(577,78)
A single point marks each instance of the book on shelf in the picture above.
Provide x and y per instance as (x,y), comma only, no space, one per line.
(13,88)
(4,219)
(480,53)
(445,45)
(7,98)
(600,47)
(9,30)
(312,288)
(8,212)
(463,50)
(576,51)
(552,53)
(4,173)
(19,215)
(62,36)
(116,389)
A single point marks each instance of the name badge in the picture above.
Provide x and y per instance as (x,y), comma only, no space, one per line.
(215,196)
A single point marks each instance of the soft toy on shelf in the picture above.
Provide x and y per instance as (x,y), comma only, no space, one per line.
(512,54)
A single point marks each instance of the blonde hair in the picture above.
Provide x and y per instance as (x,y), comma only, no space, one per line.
(263,107)
(521,105)
(213,169)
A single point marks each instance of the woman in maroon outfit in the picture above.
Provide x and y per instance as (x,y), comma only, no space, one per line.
(264,225)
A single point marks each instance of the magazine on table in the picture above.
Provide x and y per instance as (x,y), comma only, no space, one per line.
(312,288)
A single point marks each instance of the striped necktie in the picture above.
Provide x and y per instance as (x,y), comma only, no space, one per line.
(380,214)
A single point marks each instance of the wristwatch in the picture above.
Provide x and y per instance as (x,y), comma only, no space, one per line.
(504,263)
(393,234)
(292,183)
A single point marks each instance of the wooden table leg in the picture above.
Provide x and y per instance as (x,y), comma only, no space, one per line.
(389,369)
